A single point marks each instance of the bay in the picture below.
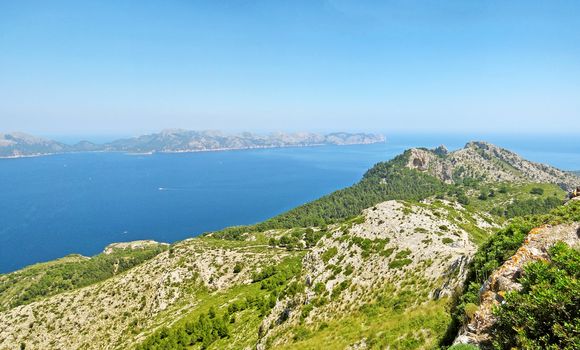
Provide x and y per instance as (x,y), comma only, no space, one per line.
(78,203)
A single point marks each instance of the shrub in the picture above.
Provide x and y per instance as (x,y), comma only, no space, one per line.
(238,268)
(396,264)
(403,254)
(463,347)
(470,310)
(545,313)
(528,207)
(329,254)
(498,248)
(537,190)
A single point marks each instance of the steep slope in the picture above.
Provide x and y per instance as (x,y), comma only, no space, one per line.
(369,280)
(123,309)
(503,265)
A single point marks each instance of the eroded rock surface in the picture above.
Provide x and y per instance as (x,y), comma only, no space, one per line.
(482,160)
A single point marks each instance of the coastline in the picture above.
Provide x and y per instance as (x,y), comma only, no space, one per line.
(223,149)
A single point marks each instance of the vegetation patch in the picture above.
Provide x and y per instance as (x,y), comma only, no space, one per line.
(398,263)
(495,251)
(329,254)
(544,314)
(46,279)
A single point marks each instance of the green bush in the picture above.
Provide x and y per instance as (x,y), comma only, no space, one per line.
(537,190)
(329,254)
(207,329)
(495,251)
(238,268)
(463,347)
(545,313)
(528,207)
(403,254)
(396,264)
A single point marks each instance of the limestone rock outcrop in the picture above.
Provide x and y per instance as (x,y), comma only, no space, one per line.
(486,162)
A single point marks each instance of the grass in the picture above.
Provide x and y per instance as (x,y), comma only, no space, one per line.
(416,328)
(513,192)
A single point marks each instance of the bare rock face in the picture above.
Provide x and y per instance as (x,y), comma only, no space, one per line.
(428,161)
(487,162)
(441,150)
(506,278)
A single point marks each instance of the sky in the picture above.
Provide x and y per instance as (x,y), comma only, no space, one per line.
(130,67)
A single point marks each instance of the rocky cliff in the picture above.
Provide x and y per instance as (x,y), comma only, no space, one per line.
(486,162)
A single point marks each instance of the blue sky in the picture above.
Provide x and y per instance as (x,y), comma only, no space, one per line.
(128,67)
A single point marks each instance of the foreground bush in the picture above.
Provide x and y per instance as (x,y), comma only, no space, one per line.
(545,314)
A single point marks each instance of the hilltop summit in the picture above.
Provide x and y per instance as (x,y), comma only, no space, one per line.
(486,162)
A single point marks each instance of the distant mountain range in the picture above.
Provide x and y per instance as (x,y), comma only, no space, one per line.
(14,145)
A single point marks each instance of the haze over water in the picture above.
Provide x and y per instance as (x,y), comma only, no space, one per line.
(78,203)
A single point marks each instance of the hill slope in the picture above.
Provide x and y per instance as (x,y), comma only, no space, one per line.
(420,173)
(395,246)
(372,266)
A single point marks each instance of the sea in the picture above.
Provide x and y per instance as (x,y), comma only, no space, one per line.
(52,206)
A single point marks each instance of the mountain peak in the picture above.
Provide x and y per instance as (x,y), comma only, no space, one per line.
(480,145)
(485,162)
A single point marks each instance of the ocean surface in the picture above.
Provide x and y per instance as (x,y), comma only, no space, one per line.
(78,203)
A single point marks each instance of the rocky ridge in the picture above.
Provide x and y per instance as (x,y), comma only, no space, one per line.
(487,162)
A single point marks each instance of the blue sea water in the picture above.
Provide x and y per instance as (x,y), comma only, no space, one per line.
(78,203)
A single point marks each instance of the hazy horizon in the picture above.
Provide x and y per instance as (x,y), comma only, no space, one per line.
(135,67)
